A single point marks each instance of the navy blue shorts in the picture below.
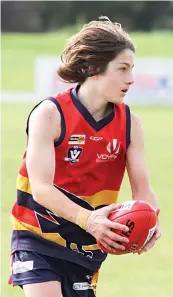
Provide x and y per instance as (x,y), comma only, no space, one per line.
(30,267)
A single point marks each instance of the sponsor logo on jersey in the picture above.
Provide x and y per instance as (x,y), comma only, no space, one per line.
(105,157)
(74,153)
(82,286)
(96,138)
(22,266)
(113,148)
(77,139)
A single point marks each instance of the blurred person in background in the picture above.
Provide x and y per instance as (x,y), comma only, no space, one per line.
(79,144)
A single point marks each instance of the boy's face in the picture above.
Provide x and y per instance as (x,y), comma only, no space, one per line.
(116,80)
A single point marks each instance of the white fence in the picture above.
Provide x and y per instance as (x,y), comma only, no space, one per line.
(153,82)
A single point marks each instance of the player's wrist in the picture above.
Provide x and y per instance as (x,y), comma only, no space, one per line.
(82,218)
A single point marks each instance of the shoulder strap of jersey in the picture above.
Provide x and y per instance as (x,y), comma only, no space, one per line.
(128,126)
(63,126)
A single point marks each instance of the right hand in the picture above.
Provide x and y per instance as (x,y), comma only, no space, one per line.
(99,226)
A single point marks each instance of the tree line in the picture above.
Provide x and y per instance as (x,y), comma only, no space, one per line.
(44,16)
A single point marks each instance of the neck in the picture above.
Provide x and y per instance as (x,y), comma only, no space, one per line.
(91,99)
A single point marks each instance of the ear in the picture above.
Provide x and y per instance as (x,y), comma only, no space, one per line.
(93,70)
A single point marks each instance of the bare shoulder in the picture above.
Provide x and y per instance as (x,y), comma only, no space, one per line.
(136,129)
(136,123)
(135,120)
(46,117)
(47,108)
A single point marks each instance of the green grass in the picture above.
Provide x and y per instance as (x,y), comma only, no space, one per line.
(139,276)
(20,50)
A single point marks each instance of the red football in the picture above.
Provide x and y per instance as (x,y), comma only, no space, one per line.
(141,219)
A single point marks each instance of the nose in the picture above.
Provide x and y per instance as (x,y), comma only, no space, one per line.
(130,79)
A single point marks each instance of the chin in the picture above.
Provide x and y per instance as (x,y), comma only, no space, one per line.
(117,101)
(115,98)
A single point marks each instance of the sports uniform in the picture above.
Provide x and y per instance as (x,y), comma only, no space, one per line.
(90,164)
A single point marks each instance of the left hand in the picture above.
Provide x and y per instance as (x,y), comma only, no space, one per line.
(155,237)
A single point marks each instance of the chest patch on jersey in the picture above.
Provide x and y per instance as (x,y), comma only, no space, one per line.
(74,153)
(77,139)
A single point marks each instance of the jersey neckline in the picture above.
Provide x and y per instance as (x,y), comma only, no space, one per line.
(87,115)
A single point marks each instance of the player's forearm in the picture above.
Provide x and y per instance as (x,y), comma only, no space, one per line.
(54,200)
(147,195)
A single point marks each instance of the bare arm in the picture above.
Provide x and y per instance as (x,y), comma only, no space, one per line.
(138,175)
(137,165)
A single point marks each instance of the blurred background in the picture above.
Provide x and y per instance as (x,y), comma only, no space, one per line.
(34,34)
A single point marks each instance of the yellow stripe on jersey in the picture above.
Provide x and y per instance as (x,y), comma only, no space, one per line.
(94,281)
(102,198)
(23,184)
(55,237)
(91,247)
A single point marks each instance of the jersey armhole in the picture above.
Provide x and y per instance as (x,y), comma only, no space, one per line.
(128,127)
(63,127)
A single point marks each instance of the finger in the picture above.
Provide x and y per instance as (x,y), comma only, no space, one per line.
(136,252)
(112,245)
(111,208)
(116,237)
(106,248)
(148,246)
(140,252)
(157,211)
(157,235)
(144,250)
(116,226)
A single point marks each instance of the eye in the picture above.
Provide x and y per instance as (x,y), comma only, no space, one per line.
(123,69)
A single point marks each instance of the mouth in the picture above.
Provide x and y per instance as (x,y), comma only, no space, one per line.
(124,90)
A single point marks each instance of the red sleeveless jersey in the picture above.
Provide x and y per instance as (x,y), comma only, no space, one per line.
(90,164)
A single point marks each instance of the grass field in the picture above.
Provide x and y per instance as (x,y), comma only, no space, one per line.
(19,53)
(131,275)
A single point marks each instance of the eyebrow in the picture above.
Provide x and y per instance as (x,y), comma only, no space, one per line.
(127,64)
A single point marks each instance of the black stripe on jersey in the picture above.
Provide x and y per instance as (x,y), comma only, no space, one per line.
(63,127)
(86,114)
(26,200)
(27,124)
(76,199)
(128,126)
(55,224)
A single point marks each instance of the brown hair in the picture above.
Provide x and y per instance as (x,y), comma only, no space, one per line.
(89,51)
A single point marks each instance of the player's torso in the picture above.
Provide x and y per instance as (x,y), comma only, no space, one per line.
(90,162)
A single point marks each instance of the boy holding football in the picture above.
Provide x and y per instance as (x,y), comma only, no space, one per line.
(79,144)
